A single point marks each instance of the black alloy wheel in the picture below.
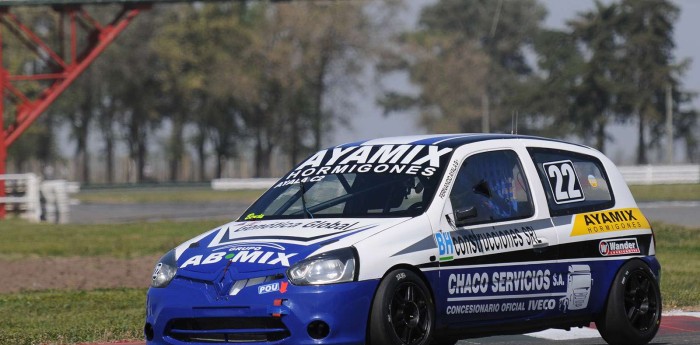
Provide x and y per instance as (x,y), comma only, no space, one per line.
(408,313)
(641,301)
(633,311)
(402,312)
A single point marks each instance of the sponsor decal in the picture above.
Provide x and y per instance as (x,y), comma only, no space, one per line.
(250,256)
(578,288)
(252,246)
(446,248)
(266,226)
(448,180)
(476,241)
(484,308)
(393,159)
(338,225)
(592,181)
(229,235)
(299,180)
(538,290)
(542,304)
(622,246)
(274,287)
(609,221)
(499,282)
(254,216)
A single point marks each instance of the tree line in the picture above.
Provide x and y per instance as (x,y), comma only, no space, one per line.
(272,78)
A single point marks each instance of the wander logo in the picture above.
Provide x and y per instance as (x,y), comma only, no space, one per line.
(609,221)
(623,246)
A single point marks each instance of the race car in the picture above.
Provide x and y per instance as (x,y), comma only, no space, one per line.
(419,240)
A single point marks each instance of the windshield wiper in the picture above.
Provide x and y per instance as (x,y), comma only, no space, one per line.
(303,200)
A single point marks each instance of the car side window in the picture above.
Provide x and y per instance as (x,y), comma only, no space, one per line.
(491,187)
(573,182)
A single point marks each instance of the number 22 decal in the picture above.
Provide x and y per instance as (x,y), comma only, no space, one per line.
(563,182)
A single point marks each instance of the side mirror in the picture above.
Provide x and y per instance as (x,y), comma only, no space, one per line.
(464,214)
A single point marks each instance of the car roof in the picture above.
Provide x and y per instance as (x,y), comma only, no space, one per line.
(447,140)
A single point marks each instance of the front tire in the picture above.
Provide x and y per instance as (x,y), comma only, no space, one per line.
(403,312)
(633,311)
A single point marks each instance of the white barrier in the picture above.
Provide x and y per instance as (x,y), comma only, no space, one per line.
(242,183)
(39,200)
(56,200)
(661,174)
(29,203)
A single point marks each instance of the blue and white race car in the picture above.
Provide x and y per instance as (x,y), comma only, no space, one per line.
(419,240)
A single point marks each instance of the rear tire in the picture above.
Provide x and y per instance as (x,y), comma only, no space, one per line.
(403,312)
(633,312)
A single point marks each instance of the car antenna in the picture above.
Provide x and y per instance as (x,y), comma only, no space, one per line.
(514,122)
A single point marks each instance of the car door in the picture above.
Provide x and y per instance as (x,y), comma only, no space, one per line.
(495,249)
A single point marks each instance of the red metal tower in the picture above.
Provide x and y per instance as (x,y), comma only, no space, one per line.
(65,67)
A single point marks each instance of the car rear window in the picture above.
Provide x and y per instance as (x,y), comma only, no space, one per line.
(573,182)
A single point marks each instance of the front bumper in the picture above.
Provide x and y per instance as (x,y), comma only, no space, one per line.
(194,312)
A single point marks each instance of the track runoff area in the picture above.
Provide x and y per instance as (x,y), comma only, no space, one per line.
(677,328)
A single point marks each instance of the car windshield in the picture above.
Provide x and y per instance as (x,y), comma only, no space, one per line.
(367,181)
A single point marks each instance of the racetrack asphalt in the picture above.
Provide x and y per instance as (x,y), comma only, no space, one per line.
(686,213)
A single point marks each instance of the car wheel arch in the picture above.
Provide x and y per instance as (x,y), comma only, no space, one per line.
(616,272)
(404,266)
(617,319)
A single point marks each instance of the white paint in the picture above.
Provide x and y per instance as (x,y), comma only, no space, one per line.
(560,334)
(587,333)
(682,313)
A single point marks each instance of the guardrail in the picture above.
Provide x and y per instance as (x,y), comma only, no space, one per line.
(242,183)
(660,174)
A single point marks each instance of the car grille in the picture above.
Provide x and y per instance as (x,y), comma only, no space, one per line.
(227,330)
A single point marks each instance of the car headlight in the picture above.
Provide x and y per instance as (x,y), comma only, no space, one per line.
(337,266)
(165,270)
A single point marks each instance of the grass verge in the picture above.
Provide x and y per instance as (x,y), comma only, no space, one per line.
(21,239)
(69,317)
(678,250)
(666,192)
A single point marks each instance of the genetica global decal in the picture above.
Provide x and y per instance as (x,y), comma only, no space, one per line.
(394,159)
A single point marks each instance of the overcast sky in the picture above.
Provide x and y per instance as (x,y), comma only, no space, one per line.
(369,122)
(686,35)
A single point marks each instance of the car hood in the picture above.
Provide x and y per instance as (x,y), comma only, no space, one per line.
(243,247)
